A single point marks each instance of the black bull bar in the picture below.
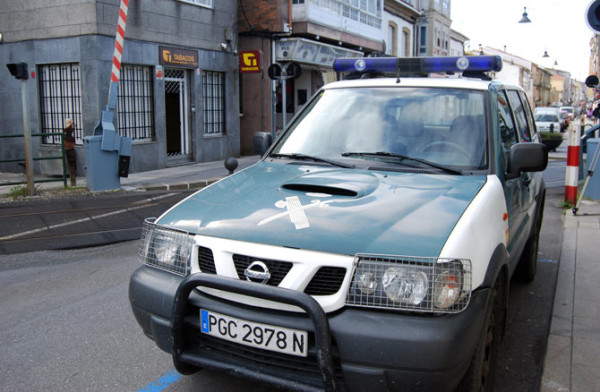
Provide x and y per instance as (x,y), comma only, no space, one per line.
(290,297)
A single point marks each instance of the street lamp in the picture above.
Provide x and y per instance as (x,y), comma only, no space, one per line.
(525,19)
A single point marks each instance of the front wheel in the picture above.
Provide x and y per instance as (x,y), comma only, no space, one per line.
(480,375)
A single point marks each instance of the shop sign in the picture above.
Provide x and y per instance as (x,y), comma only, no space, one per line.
(250,61)
(176,57)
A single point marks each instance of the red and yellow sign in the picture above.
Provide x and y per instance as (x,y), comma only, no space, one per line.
(250,61)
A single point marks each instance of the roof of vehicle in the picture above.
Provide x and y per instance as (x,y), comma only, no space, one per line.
(447,82)
(546,109)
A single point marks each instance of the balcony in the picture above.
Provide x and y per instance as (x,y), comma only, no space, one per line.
(357,22)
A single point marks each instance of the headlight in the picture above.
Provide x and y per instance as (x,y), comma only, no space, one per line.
(165,248)
(410,283)
(405,285)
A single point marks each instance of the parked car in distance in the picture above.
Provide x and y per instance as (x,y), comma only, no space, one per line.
(547,119)
(564,120)
(570,111)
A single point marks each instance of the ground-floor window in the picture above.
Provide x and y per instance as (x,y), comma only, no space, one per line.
(213,97)
(60,98)
(135,103)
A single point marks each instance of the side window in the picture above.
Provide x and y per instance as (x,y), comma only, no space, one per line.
(520,116)
(528,113)
(507,126)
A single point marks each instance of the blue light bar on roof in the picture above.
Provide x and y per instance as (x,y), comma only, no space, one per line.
(419,65)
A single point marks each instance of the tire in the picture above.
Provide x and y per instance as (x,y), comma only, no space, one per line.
(482,369)
(527,267)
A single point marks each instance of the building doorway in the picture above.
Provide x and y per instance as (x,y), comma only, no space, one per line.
(177,113)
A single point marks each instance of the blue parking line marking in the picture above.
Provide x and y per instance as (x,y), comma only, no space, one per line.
(162,383)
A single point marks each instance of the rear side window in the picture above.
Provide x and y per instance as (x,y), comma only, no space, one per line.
(520,116)
(506,124)
(528,114)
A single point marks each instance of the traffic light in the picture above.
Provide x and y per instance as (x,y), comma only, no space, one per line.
(593,15)
(18,70)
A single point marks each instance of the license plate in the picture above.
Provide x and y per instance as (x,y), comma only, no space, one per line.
(264,336)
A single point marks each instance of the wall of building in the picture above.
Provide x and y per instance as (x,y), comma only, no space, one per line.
(263,15)
(401,26)
(255,115)
(170,22)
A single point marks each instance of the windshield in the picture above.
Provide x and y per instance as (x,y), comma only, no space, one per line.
(436,125)
(546,117)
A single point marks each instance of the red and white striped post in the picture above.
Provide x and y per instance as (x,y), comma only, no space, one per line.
(572,174)
(119,41)
(106,116)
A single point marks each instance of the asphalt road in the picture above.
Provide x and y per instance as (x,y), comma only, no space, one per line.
(65,321)
(90,220)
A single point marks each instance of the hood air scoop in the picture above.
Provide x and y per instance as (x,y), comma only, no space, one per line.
(330,190)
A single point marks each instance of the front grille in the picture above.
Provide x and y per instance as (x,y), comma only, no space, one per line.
(278,269)
(206,260)
(327,281)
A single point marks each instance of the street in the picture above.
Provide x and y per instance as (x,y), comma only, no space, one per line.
(66,324)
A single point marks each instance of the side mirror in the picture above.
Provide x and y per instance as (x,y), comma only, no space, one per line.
(591,81)
(593,15)
(261,141)
(526,157)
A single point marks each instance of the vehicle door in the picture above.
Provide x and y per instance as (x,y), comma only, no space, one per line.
(513,188)
(526,133)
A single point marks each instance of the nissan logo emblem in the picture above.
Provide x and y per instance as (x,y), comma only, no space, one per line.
(257,272)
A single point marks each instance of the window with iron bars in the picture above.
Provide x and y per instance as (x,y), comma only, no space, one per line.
(213,96)
(201,3)
(135,103)
(60,98)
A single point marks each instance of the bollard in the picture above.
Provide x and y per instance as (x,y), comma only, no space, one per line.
(572,174)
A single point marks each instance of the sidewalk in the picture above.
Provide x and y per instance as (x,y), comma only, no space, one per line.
(194,176)
(573,349)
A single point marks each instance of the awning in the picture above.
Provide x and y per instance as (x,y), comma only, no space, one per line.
(311,53)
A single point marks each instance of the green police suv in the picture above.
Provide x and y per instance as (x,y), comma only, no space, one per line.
(371,247)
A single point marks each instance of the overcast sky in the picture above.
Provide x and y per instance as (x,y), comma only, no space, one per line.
(557,26)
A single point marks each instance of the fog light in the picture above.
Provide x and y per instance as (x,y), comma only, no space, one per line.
(405,285)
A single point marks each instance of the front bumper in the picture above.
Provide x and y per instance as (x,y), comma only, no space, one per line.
(351,349)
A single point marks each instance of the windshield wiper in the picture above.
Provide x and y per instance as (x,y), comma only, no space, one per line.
(304,157)
(401,157)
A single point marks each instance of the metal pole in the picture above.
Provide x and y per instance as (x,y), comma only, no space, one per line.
(273,95)
(283,99)
(27,139)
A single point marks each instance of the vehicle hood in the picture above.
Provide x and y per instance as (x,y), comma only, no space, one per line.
(345,211)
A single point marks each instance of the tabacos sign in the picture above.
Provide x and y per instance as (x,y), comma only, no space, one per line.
(250,61)
(175,57)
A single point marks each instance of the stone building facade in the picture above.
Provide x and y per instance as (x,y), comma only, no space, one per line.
(178,92)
